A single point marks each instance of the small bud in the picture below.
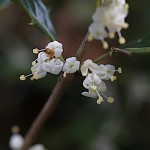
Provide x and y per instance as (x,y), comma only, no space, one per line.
(126,6)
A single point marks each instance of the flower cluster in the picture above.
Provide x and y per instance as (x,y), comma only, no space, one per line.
(16,141)
(49,61)
(95,74)
(108,19)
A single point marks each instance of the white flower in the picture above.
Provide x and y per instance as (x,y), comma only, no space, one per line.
(16,141)
(97,31)
(37,147)
(37,71)
(89,65)
(110,15)
(106,72)
(54,48)
(53,66)
(42,56)
(71,65)
(96,88)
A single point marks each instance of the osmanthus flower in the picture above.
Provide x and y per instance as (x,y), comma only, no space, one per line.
(53,66)
(111,16)
(37,72)
(98,31)
(106,72)
(16,141)
(87,66)
(96,88)
(54,48)
(71,66)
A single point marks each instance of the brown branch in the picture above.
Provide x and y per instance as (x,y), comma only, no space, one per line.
(51,103)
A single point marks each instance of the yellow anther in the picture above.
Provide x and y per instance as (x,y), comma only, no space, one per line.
(22,77)
(35,51)
(90,38)
(119,70)
(35,77)
(122,40)
(105,45)
(126,6)
(100,100)
(33,63)
(94,87)
(32,78)
(110,99)
(15,129)
(111,35)
(113,78)
(126,25)
(65,74)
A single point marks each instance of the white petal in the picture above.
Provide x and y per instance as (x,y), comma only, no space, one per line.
(16,141)
(87,94)
(37,147)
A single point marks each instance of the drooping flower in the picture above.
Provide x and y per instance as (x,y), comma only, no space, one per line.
(106,72)
(53,66)
(111,16)
(37,71)
(71,66)
(96,88)
(87,66)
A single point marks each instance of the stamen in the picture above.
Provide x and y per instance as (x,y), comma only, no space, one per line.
(113,78)
(15,129)
(34,62)
(110,99)
(126,6)
(111,35)
(121,38)
(36,50)
(100,100)
(119,70)
(65,74)
(23,77)
(126,25)
(90,38)
(105,44)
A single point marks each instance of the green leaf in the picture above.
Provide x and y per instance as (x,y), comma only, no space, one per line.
(39,16)
(140,46)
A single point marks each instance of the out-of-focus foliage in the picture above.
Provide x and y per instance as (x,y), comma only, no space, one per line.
(39,15)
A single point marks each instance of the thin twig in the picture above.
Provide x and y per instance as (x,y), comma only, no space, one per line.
(114,49)
(53,100)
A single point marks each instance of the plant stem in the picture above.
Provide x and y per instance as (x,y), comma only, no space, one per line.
(52,101)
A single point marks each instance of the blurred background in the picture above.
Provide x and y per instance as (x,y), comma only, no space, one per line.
(77,123)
